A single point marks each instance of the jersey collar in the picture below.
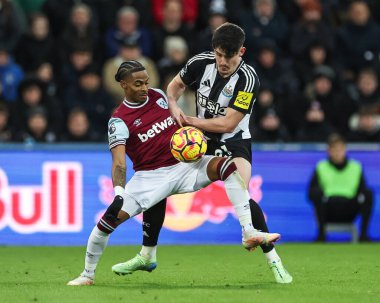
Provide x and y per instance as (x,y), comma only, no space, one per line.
(134,105)
(238,68)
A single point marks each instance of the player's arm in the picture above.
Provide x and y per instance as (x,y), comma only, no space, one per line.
(118,135)
(225,124)
(119,169)
(174,91)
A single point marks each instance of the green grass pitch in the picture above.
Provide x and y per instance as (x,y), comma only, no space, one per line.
(322,273)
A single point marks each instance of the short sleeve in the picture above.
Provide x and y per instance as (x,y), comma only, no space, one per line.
(191,71)
(118,132)
(245,92)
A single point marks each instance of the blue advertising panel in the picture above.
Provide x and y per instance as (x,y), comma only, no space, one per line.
(56,196)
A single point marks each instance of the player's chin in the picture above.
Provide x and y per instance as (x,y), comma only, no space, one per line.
(142,98)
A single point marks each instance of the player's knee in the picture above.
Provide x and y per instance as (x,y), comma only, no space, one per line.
(225,168)
(114,208)
(109,221)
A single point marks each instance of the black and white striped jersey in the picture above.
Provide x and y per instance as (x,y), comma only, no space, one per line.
(215,94)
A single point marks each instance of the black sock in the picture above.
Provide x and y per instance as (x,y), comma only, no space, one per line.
(153,219)
(258,222)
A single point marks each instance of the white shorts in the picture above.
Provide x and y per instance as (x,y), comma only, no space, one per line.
(148,187)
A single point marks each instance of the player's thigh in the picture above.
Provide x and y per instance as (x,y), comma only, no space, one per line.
(193,176)
(147,188)
(240,151)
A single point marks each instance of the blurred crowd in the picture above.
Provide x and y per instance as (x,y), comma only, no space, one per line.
(318,62)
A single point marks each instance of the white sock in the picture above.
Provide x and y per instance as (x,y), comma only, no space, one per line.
(239,197)
(96,244)
(148,252)
(272,256)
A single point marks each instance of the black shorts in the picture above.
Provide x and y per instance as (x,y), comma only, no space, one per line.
(234,149)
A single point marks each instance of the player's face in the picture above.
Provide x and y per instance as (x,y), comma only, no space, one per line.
(226,65)
(136,87)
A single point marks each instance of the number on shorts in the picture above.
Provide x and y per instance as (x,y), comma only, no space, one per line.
(222,152)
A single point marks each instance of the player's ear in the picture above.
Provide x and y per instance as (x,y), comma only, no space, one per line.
(242,51)
(123,84)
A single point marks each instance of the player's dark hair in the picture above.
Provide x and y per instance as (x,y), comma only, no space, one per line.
(127,68)
(335,138)
(228,37)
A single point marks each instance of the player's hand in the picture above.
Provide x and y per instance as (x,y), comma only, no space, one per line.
(190,121)
(178,115)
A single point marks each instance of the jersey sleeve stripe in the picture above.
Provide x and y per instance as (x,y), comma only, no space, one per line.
(115,143)
(201,57)
(250,79)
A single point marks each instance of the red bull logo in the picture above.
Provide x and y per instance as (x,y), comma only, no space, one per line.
(189,211)
(53,206)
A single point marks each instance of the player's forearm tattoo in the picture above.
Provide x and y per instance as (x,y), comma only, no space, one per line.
(119,176)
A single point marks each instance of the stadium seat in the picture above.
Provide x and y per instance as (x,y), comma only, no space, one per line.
(344,228)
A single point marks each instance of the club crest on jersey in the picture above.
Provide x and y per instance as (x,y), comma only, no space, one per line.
(137,122)
(162,103)
(227,91)
(243,100)
(111,128)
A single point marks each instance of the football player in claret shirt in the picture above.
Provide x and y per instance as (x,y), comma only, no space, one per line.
(142,127)
(226,89)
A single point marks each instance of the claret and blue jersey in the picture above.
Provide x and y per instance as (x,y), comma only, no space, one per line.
(145,129)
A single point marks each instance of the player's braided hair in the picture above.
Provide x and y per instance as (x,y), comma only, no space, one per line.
(127,68)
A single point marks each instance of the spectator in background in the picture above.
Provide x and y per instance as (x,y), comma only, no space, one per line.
(90,95)
(275,73)
(232,10)
(37,128)
(358,39)
(338,190)
(189,15)
(5,130)
(129,49)
(315,127)
(11,75)
(58,12)
(215,19)
(317,55)
(32,95)
(45,73)
(270,128)
(176,55)
(336,105)
(367,88)
(172,25)
(109,13)
(127,26)
(81,28)
(310,28)
(78,128)
(35,46)
(266,99)
(12,24)
(264,22)
(79,57)
(367,126)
